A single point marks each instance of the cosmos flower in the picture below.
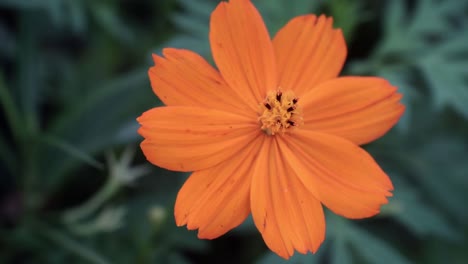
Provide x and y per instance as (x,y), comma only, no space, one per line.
(272,132)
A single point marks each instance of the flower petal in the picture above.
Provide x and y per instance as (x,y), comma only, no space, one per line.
(360,109)
(242,50)
(284,211)
(183,78)
(186,138)
(308,51)
(340,174)
(216,199)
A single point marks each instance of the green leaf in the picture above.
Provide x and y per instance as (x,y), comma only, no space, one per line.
(111,22)
(93,124)
(344,15)
(72,151)
(374,249)
(395,16)
(425,41)
(340,252)
(438,251)
(198,8)
(276,13)
(77,15)
(440,169)
(8,43)
(193,25)
(447,75)
(29,83)
(409,207)
(23,4)
(11,111)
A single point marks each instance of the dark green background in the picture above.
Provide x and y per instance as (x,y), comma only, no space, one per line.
(73,78)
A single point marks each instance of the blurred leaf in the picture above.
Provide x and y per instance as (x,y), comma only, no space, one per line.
(28,80)
(374,249)
(395,17)
(276,13)
(200,8)
(12,114)
(76,13)
(436,251)
(411,209)
(111,22)
(196,26)
(344,15)
(92,125)
(8,43)
(341,253)
(23,3)
(447,72)
(64,241)
(193,23)
(422,40)
(177,258)
(193,43)
(342,239)
(72,151)
(60,13)
(440,168)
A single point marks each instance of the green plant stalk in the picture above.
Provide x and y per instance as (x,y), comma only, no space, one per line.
(33,198)
(71,150)
(111,186)
(24,141)
(71,245)
(11,112)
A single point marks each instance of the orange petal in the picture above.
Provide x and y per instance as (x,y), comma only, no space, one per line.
(184,138)
(360,109)
(183,78)
(242,50)
(308,51)
(340,174)
(216,199)
(284,211)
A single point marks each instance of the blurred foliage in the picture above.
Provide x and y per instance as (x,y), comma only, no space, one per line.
(76,189)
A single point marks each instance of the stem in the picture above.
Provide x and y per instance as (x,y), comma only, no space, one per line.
(11,113)
(71,245)
(96,201)
(71,150)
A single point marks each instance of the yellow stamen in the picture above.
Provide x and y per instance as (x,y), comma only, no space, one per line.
(279,112)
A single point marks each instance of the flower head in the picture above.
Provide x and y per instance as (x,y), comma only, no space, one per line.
(272,132)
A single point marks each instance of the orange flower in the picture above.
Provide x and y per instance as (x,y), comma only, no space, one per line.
(273,132)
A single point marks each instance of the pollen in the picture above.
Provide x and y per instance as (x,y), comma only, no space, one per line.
(279,112)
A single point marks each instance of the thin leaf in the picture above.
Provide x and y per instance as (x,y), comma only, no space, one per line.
(111,22)
(29,85)
(373,249)
(73,151)
(93,124)
(409,207)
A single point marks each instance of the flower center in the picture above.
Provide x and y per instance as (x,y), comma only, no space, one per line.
(279,112)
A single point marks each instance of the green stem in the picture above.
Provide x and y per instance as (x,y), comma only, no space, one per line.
(29,155)
(71,245)
(11,113)
(96,201)
(71,150)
